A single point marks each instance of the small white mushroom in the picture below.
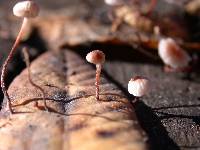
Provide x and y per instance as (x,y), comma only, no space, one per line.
(138,86)
(96,57)
(28,9)
(25,9)
(172,54)
(114,2)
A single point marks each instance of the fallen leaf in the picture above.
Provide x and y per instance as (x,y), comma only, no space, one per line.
(76,120)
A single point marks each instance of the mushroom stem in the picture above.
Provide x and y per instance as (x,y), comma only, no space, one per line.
(27,61)
(5,65)
(98,72)
(96,57)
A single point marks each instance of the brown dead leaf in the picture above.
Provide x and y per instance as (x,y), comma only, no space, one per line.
(76,121)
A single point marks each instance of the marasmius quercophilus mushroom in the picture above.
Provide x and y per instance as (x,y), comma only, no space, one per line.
(96,57)
(26,10)
(138,86)
(173,56)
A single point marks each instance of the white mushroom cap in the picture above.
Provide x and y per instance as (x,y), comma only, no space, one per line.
(113,2)
(28,9)
(96,57)
(138,86)
(172,54)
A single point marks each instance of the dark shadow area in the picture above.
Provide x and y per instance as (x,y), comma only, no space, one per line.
(114,51)
(151,123)
(127,53)
(194,22)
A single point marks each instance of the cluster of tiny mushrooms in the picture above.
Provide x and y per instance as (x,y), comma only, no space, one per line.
(170,52)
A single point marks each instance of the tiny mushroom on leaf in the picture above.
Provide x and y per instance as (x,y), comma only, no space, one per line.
(25,9)
(138,86)
(114,2)
(96,57)
(172,54)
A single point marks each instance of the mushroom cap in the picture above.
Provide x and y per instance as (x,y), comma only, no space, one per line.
(96,57)
(28,9)
(172,54)
(114,2)
(138,86)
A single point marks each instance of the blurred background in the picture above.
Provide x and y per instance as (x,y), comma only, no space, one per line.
(170,114)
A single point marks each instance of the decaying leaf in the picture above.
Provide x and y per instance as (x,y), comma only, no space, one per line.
(76,121)
(90,23)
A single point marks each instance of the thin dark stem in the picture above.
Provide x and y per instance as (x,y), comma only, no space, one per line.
(5,65)
(27,61)
(98,72)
